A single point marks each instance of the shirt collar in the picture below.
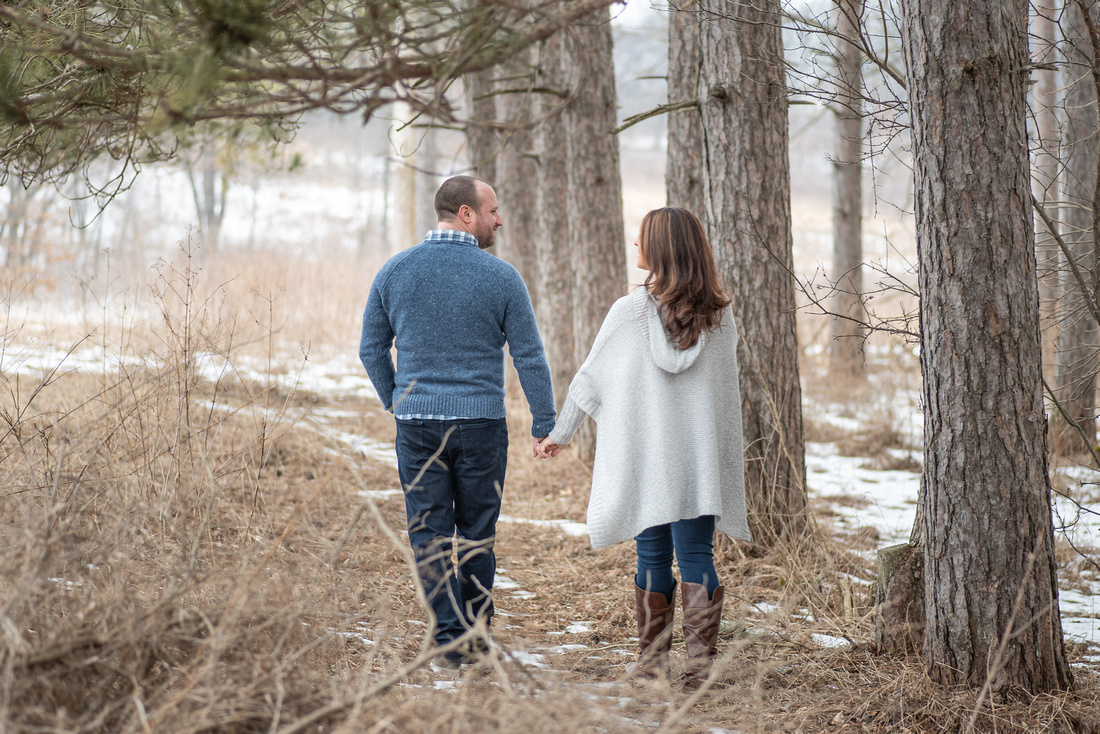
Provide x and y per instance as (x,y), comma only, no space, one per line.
(451,236)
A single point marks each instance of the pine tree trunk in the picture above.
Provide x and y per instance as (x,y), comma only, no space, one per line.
(515,170)
(989,541)
(684,169)
(1078,341)
(426,181)
(595,211)
(481,138)
(846,358)
(555,271)
(1045,170)
(404,230)
(505,158)
(743,101)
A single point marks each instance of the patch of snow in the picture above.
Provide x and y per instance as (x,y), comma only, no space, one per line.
(1081,473)
(563,648)
(83,357)
(890,495)
(829,641)
(574,529)
(357,636)
(856,579)
(1079,523)
(533,659)
(1080,615)
(380,493)
(838,421)
(298,372)
(501,581)
(384,452)
(766,608)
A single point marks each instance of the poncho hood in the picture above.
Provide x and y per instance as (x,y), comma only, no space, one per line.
(665,354)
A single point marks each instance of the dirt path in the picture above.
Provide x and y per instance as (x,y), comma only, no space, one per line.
(565,611)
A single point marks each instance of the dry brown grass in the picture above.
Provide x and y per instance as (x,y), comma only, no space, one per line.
(250,303)
(186,555)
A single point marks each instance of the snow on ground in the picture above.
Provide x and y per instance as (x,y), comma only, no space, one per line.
(575,529)
(886,500)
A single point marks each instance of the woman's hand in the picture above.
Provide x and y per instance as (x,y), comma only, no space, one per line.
(545,449)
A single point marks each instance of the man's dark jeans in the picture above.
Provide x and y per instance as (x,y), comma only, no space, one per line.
(452,473)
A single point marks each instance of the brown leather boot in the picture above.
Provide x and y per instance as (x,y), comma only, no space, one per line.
(655,613)
(702,616)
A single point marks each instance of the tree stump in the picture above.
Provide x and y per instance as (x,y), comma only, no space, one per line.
(899,600)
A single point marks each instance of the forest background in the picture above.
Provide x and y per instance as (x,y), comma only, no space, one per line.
(185,502)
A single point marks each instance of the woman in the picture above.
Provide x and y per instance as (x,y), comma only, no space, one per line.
(661,383)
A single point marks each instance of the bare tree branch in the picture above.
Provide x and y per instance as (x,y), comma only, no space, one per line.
(655,112)
(82,80)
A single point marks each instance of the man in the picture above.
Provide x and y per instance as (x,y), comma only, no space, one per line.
(450,308)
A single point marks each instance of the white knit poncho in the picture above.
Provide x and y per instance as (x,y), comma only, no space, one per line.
(669,441)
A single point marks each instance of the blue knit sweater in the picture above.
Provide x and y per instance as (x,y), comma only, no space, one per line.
(450,308)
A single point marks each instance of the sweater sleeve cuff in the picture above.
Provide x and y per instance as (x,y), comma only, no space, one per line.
(569,420)
(542,428)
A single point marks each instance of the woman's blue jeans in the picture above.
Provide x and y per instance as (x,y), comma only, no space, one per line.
(452,473)
(692,543)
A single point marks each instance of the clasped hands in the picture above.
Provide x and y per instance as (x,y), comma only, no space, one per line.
(545,449)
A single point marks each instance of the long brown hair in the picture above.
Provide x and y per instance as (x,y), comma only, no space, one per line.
(682,274)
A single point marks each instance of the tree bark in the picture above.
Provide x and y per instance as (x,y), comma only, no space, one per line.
(899,600)
(481,137)
(500,150)
(743,104)
(595,204)
(846,358)
(426,181)
(404,229)
(991,595)
(1078,342)
(684,168)
(1045,170)
(555,272)
(515,170)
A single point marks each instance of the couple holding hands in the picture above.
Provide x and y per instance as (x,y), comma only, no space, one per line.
(660,381)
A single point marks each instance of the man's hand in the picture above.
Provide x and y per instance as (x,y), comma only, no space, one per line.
(546,449)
